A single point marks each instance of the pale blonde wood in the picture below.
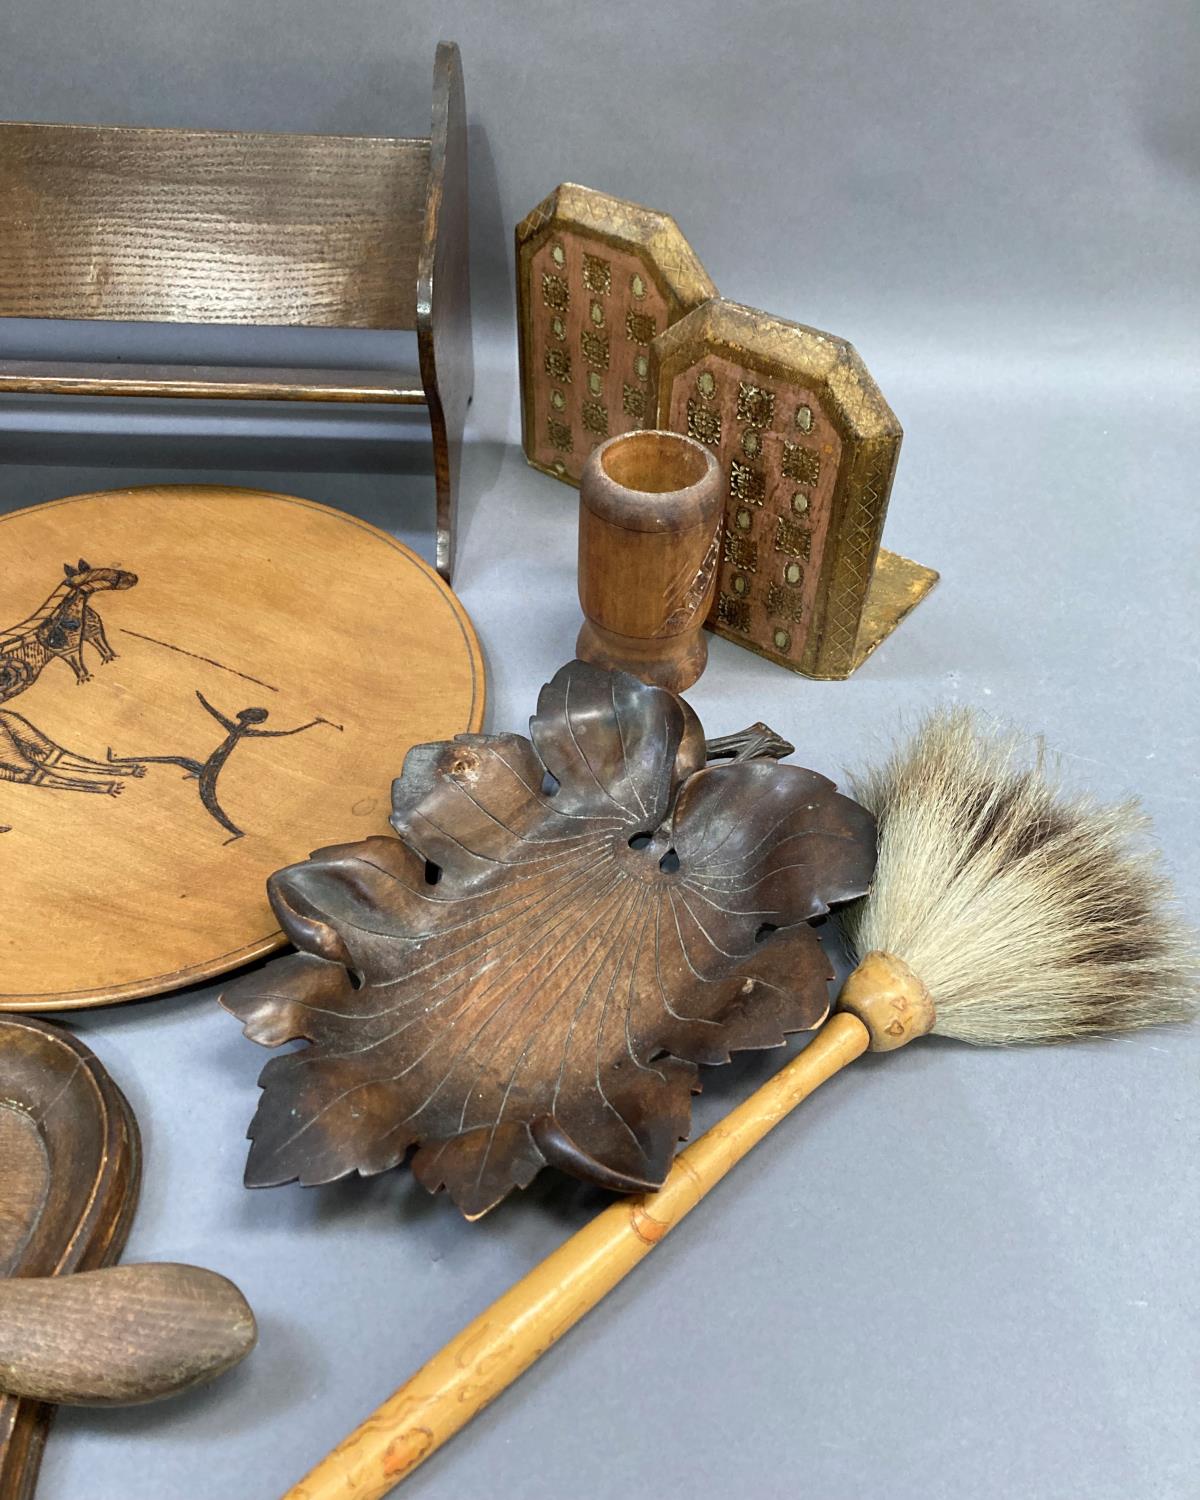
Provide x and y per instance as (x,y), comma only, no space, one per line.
(500,1344)
(889,999)
(257,601)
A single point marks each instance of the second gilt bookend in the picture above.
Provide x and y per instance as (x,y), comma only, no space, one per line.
(808,447)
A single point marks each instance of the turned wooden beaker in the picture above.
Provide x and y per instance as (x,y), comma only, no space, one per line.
(650,512)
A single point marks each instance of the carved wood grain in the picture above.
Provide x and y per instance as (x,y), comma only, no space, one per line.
(222,227)
(566,928)
(205,226)
(121,1335)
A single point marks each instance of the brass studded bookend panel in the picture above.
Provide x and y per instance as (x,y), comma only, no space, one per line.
(597,278)
(808,447)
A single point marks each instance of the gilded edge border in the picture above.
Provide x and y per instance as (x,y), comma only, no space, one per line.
(623,225)
(870,434)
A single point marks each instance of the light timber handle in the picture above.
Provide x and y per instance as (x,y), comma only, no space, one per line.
(489,1354)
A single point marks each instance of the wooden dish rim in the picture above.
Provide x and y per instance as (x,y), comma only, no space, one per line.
(98,1234)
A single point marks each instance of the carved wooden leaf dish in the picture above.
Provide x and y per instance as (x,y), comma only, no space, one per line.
(532,971)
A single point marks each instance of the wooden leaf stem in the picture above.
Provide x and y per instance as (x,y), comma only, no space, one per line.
(491,1352)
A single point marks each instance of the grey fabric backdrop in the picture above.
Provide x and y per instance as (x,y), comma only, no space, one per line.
(955,1273)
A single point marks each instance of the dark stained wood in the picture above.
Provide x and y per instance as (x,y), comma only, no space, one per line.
(69,1175)
(221,681)
(564,930)
(205,226)
(218,227)
(443,316)
(650,508)
(756,742)
(120,1336)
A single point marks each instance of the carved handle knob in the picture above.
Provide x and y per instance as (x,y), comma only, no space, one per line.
(889,999)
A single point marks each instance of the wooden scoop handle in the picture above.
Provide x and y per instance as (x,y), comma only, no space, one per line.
(119,1336)
(488,1355)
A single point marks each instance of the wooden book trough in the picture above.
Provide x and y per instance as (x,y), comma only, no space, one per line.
(223,227)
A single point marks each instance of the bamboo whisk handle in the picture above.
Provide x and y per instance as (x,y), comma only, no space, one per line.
(489,1353)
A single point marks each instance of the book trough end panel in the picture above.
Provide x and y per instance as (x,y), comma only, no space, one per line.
(597,279)
(198,685)
(808,447)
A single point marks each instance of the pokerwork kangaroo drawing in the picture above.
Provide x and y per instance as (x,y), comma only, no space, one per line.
(65,623)
(60,629)
(32,758)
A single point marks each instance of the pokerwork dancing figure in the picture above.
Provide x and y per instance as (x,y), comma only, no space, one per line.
(206,772)
(61,627)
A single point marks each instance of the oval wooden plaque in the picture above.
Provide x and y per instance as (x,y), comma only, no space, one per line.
(70,1169)
(198,685)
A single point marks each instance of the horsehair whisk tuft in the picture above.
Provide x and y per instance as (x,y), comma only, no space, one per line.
(1030,915)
